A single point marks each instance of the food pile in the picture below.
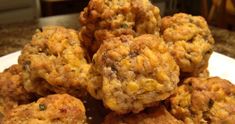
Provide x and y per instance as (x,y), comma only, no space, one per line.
(143,68)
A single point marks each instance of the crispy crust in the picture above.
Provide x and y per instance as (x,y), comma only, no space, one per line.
(11,84)
(129,74)
(54,61)
(6,104)
(155,115)
(53,109)
(190,41)
(204,100)
(103,19)
(12,91)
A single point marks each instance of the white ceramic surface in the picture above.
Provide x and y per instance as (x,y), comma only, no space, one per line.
(219,65)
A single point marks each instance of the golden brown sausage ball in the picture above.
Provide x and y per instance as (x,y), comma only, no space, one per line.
(54,61)
(53,109)
(190,41)
(129,74)
(12,91)
(103,19)
(204,100)
(155,115)
(11,84)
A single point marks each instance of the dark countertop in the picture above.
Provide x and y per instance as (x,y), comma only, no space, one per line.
(14,36)
(224,41)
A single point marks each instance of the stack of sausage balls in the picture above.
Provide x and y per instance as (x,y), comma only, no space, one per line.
(145,69)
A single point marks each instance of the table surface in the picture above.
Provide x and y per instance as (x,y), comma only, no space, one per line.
(14,36)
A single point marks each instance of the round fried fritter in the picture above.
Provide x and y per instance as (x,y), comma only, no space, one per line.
(156,115)
(11,84)
(129,74)
(53,109)
(190,41)
(12,92)
(204,100)
(103,19)
(54,61)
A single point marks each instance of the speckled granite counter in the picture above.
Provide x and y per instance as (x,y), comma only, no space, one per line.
(224,41)
(14,36)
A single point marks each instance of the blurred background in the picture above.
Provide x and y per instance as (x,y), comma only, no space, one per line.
(217,12)
(20,18)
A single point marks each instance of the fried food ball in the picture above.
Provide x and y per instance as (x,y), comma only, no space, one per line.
(190,41)
(12,91)
(54,61)
(53,109)
(155,115)
(11,84)
(129,73)
(204,100)
(103,19)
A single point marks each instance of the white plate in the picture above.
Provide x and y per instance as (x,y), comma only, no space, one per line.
(219,65)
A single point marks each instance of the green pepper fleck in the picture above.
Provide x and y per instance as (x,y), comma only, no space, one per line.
(26,65)
(42,107)
(124,25)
